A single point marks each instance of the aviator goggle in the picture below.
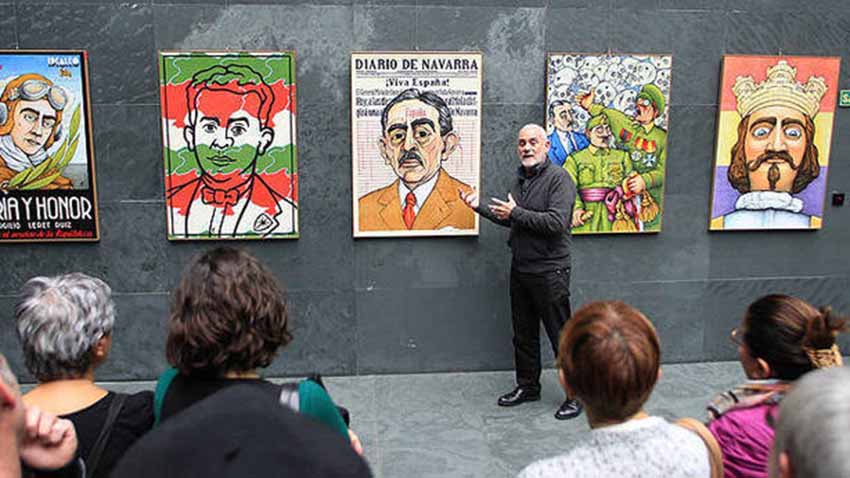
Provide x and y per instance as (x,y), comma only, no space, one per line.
(34,90)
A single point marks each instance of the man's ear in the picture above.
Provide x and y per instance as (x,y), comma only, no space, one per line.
(266,140)
(101,348)
(189,136)
(450,142)
(764,369)
(382,147)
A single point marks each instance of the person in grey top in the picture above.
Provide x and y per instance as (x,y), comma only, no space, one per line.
(538,209)
(811,434)
(599,343)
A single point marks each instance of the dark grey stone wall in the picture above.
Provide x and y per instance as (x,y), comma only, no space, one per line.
(396,305)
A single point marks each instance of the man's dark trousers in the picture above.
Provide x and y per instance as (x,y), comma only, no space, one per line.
(537,297)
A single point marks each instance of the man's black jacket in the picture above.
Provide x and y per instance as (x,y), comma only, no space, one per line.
(540,237)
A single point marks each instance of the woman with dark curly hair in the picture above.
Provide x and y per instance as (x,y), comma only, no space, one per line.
(228,319)
(780,339)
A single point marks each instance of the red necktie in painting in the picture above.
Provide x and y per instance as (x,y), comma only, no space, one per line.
(408,214)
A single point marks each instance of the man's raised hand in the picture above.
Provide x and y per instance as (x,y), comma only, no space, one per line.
(585,100)
(503,209)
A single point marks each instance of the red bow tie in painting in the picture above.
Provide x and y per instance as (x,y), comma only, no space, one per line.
(219,197)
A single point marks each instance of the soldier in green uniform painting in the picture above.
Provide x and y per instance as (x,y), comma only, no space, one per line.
(600,174)
(646,145)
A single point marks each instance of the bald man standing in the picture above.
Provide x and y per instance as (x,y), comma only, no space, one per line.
(538,211)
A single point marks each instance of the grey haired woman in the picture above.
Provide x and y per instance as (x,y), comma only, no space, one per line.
(65,326)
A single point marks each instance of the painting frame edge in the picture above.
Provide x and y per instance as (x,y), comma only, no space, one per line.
(162,53)
(549,54)
(476,231)
(820,223)
(91,160)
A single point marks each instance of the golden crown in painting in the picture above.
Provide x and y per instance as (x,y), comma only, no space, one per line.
(779,89)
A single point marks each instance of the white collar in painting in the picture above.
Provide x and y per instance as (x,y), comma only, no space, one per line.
(760,200)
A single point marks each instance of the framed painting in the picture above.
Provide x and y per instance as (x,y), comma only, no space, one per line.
(416,142)
(228,129)
(47,172)
(774,130)
(607,120)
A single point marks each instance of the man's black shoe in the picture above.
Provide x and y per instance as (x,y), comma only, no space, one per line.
(568,409)
(517,396)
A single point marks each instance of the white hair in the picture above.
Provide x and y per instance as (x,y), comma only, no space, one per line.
(813,423)
(60,319)
(536,127)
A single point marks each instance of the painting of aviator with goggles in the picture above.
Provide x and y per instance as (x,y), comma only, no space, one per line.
(33,111)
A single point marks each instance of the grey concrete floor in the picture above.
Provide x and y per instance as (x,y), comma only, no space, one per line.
(448,425)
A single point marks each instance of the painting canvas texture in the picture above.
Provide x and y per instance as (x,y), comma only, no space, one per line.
(47,173)
(416,141)
(228,123)
(607,121)
(773,139)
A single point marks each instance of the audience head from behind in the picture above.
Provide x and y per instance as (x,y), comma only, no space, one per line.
(783,337)
(811,433)
(780,339)
(65,325)
(228,316)
(609,358)
(234,433)
(228,320)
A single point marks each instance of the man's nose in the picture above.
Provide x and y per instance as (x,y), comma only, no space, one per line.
(777,140)
(222,140)
(409,141)
(37,128)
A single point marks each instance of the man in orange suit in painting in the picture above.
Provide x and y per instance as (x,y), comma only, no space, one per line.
(417,137)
